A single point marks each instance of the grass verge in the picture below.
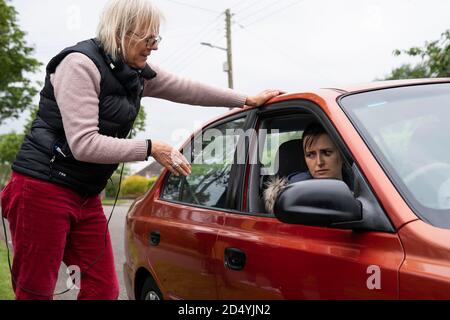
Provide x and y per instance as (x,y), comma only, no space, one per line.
(6,292)
(110,202)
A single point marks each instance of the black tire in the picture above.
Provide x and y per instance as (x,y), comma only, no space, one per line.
(150,290)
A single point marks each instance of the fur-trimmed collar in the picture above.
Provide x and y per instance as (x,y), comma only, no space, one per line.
(273,188)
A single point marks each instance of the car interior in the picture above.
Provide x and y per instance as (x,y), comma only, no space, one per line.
(288,158)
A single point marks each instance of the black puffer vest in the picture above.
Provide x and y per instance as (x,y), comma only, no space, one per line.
(45,153)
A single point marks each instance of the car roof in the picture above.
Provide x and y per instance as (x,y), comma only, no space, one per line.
(390,84)
(335,92)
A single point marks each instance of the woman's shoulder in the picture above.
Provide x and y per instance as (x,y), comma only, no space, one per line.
(78,69)
(78,60)
(77,63)
(299,176)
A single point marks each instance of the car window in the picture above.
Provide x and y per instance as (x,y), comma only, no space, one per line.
(211,155)
(281,155)
(396,140)
(407,130)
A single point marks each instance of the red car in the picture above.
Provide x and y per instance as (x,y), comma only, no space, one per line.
(382,235)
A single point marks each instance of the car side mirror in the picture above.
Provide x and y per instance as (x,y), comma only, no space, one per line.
(318,202)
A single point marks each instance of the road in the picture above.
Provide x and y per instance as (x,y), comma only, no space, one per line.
(116,229)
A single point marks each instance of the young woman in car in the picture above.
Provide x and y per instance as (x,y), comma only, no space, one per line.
(322,157)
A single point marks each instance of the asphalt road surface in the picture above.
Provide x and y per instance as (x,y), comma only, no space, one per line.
(116,229)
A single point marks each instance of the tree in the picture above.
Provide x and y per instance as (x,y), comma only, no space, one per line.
(139,123)
(31,117)
(134,186)
(9,145)
(113,184)
(16,90)
(435,60)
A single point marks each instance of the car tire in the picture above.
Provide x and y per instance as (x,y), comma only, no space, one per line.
(150,290)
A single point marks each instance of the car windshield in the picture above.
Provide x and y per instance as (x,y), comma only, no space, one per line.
(407,129)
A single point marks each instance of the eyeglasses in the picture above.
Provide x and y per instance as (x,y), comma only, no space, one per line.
(149,41)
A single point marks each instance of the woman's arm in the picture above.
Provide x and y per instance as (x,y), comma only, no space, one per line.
(76,84)
(177,89)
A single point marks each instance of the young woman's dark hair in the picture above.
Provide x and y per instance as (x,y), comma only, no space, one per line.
(311,132)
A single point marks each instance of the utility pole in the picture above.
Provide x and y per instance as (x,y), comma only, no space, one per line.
(229,50)
(228,66)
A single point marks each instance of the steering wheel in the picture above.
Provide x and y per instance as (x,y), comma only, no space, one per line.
(416,181)
(438,167)
(192,193)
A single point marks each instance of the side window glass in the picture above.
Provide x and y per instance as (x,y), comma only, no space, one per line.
(172,188)
(211,155)
(281,154)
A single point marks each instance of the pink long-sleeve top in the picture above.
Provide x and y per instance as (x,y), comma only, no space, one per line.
(76,84)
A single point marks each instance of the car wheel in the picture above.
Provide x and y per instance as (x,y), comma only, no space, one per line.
(150,291)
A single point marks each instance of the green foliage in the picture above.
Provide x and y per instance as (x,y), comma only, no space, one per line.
(113,183)
(6,291)
(9,146)
(151,182)
(407,71)
(32,116)
(139,123)
(134,186)
(112,186)
(16,90)
(435,60)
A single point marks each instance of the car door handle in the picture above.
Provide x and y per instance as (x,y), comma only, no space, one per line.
(155,238)
(234,259)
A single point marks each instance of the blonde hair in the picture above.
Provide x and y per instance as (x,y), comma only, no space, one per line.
(120,17)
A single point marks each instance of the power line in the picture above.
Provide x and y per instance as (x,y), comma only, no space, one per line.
(237,4)
(200,50)
(174,32)
(195,57)
(194,44)
(249,5)
(195,34)
(180,63)
(276,48)
(191,42)
(259,10)
(318,73)
(195,47)
(297,2)
(228,49)
(192,53)
(192,6)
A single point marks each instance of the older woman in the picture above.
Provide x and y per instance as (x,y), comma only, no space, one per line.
(89,102)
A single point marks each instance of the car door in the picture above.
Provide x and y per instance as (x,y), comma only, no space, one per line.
(263,258)
(189,212)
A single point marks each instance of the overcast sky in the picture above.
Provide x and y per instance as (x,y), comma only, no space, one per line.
(293,45)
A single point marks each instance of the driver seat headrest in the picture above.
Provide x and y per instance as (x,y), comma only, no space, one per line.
(290,158)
